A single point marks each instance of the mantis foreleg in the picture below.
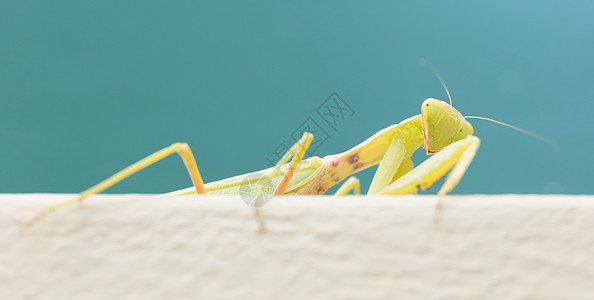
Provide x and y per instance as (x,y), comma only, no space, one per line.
(457,156)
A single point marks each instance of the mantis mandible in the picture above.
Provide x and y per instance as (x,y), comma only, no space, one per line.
(440,129)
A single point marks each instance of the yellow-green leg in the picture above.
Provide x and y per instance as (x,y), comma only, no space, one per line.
(180,148)
(455,157)
(297,151)
(388,166)
(351,184)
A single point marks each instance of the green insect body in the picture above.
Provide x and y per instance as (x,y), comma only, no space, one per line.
(440,129)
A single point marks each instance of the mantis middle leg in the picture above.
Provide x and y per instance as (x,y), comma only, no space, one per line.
(184,151)
(297,151)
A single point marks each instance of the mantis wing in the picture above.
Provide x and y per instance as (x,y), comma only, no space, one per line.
(249,183)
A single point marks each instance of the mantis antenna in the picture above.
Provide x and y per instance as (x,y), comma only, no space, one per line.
(438,75)
(532,134)
(524,131)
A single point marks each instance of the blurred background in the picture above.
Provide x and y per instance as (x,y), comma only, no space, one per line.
(86,88)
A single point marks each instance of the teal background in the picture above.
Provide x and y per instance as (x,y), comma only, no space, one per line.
(87,88)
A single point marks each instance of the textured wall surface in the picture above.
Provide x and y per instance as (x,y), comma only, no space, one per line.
(145,247)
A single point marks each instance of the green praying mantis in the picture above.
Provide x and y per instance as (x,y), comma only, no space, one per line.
(440,129)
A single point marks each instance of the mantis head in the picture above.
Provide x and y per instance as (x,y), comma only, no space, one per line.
(442,125)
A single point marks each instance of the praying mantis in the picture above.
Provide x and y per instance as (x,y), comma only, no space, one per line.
(440,129)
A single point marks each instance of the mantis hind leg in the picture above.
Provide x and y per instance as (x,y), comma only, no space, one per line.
(180,148)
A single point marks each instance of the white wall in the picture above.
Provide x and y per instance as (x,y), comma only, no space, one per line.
(143,247)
